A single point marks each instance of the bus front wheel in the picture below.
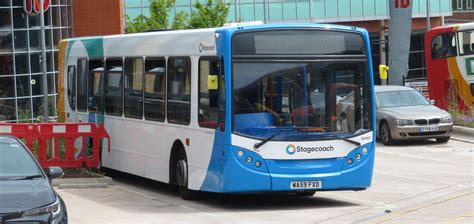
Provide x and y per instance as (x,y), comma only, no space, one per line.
(181,172)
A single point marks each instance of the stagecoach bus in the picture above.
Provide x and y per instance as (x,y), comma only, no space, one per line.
(235,109)
(450,65)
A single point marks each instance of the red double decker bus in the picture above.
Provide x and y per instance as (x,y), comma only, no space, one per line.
(450,65)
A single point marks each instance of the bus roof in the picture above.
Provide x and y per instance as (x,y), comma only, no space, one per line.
(231,28)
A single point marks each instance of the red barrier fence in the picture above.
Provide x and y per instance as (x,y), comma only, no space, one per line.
(67,145)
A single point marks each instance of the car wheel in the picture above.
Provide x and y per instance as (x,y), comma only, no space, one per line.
(443,140)
(181,171)
(385,135)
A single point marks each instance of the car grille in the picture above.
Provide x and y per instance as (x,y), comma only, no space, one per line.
(414,134)
(427,121)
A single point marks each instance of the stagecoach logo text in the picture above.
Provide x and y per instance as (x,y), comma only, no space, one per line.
(203,47)
(292,149)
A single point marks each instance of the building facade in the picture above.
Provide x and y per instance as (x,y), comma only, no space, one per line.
(463,12)
(21,93)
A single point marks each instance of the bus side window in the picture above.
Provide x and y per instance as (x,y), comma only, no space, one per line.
(155,88)
(82,85)
(133,84)
(208,99)
(113,86)
(179,90)
(466,42)
(443,45)
(71,86)
(96,86)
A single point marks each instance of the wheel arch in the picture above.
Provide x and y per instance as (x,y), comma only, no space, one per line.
(176,149)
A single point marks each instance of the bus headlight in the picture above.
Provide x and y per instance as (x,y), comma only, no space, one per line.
(240,153)
(365,150)
(447,119)
(402,122)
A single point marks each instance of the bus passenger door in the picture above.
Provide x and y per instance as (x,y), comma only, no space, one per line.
(70,91)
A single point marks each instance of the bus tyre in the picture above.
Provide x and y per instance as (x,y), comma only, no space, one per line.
(385,135)
(182,178)
(443,140)
(305,193)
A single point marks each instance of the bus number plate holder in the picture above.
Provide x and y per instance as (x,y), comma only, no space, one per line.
(298,185)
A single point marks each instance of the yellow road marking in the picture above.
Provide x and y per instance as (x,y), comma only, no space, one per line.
(426,205)
(460,218)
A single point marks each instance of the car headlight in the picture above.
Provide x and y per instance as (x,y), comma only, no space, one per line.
(446,119)
(54,209)
(402,122)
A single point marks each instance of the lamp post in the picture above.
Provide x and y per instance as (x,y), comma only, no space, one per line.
(428,23)
(43,63)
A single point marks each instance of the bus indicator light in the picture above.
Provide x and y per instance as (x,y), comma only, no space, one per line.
(357,156)
(258,164)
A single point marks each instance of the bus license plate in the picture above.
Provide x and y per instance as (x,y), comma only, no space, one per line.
(305,184)
(429,128)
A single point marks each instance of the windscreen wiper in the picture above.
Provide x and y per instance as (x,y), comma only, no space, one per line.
(29,177)
(257,145)
(356,143)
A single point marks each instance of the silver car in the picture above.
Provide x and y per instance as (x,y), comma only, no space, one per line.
(403,113)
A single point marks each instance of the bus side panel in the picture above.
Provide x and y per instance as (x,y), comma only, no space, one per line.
(437,71)
(458,71)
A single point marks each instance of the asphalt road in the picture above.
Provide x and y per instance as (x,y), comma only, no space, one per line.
(414,182)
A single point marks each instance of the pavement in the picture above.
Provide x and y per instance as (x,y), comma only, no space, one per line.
(414,182)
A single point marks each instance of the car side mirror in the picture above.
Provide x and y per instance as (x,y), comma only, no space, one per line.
(54,172)
(432,102)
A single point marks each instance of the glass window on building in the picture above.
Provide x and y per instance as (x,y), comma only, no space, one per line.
(5,18)
(7,110)
(462,5)
(23,85)
(6,65)
(5,42)
(20,53)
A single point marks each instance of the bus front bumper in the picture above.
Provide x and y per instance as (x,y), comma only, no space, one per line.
(241,176)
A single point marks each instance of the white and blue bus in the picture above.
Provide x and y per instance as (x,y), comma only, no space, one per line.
(258,108)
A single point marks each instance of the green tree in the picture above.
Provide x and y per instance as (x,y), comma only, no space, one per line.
(159,10)
(138,24)
(180,21)
(211,14)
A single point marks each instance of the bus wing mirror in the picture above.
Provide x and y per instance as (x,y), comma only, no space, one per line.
(383,71)
(212,82)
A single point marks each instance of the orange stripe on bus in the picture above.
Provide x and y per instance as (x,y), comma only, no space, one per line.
(61,96)
(461,85)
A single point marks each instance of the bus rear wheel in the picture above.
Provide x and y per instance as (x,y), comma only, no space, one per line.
(181,172)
